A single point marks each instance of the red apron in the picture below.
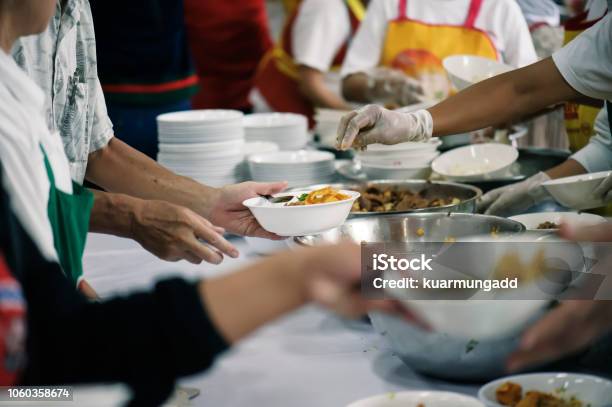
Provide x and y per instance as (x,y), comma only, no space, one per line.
(277,76)
(227,40)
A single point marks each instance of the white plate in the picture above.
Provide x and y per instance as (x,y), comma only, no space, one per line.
(577,192)
(291,157)
(259,147)
(533,220)
(475,162)
(233,145)
(414,398)
(274,120)
(591,390)
(300,220)
(197,117)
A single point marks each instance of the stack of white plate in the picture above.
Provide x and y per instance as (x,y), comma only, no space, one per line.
(400,161)
(299,168)
(288,130)
(327,122)
(256,147)
(206,145)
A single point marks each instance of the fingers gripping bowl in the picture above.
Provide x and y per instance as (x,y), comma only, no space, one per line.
(308,212)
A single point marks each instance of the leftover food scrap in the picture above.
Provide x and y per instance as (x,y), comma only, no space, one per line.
(548,225)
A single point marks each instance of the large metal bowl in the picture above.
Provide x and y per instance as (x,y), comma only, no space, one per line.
(433,353)
(403,227)
(467,194)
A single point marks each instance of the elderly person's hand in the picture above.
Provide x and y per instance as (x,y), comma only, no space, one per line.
(227,209)
(573,325)
(516,198)
(386,85)
(375,124)
(174,233)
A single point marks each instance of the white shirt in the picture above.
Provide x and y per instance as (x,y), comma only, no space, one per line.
(22,132)
(502,20)
(541,11)
(320,30)
(62,61)
(586,65)
(597,8)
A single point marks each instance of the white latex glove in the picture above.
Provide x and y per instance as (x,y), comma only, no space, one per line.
(604,189)
(516,198)
(387,85)
(375,124)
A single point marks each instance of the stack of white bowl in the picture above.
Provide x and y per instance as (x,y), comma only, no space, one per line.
(399,161)
(206,145)
(299,168)
(288,130)
(327,122)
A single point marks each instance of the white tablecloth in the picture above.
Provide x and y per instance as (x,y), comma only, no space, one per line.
(309,358)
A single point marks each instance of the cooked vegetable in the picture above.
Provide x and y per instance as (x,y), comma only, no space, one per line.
(323,195)
(391,199)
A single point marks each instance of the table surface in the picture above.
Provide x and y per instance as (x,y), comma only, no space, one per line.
(308,358)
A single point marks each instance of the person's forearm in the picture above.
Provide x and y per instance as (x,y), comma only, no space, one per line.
(241,302)
(566,169)
(112,213)
(121,169)
(355,88)
(502,99)
(312,86)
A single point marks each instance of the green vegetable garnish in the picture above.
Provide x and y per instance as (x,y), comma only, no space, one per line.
(302,197)
(471,345)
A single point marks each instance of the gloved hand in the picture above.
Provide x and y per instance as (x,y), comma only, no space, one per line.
(604,189)
(387,85)
(516,198)
(375,124)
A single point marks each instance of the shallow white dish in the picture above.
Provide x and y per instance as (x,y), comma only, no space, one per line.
(576,192)
(476,162)
(291,157)
(267,120)
(197,117)
(415,398)
(300,220)
(466,70)
(533,220)
(593,391)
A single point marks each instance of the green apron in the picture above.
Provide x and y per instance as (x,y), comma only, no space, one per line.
(69,217)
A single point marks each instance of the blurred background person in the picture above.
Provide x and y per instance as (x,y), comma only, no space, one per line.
(144,65)
(227,40)
(301,72)
(414,37)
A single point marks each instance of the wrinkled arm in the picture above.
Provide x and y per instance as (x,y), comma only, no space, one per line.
(502,99)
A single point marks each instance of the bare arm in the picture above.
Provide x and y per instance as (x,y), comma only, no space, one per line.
(121,169)
(313,87)
(566,169)
(502,99)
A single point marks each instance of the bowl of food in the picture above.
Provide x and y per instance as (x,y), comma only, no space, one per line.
(476,162)
(576,192)
(551,221)
(303,212)
(425,398)
(466,70)
(548,389)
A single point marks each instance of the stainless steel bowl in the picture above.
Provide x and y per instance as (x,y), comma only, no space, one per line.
(468,194)
(403,228)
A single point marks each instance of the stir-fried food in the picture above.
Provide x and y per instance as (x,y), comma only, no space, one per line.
(548,225)
(320,196)
(390,199)
(511,394)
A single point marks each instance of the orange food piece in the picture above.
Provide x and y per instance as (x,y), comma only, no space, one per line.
(509,394)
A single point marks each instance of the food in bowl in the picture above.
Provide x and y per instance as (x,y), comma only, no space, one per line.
(548,225)
(511,394)
(319,196)
(391,199)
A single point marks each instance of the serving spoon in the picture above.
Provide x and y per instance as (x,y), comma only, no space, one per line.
(278,199)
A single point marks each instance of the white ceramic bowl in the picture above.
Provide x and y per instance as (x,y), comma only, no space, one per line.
(421,160)
(591,390)
(533,220)
(416,398)
(396,172)
(476,162)
(466,70)
(198,117)
(300,220)
(284,158)
(577,192)
(274,120)
(431,145)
